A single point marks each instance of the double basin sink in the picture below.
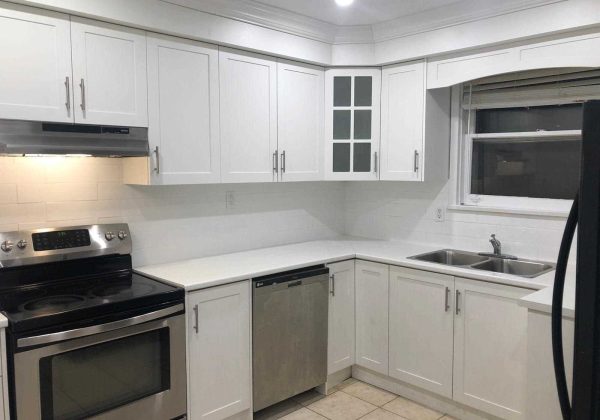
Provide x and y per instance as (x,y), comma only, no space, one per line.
(465,259)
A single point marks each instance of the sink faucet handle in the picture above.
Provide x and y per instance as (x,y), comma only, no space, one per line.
(496,244)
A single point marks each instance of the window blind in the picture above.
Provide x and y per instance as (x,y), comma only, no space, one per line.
(533,88)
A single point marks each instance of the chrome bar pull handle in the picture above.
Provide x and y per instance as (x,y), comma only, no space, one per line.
(82,86)
(416,162)
(447,302)
(157,166)
(68,92)
(375,163)
(196,318)
(332,292)
(283,162)
(275,167)
(457,302)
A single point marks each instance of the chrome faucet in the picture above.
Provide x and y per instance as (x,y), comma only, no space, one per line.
(496,244)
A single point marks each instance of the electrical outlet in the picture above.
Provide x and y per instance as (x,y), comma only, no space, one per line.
(229,200)
(439,214)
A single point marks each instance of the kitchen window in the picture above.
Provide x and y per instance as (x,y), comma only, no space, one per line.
(521,141)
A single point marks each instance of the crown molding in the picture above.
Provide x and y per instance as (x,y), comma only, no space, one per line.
(453,14)
(271,17)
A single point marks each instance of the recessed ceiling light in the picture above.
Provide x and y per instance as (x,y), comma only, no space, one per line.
(344,3)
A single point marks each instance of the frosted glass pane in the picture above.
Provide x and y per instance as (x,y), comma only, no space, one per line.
(362,157)
(362,124)
(341,157)
(341,125)
(363,90)
(342,88)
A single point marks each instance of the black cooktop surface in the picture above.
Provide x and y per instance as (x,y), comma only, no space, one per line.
(43,304)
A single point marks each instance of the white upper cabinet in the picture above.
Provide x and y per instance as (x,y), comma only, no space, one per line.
(109,72)
(219,360)
(352,124)
(183,107)
(300,101)
(402,115)
(421,329)
(490,348)
(415,125)
(35,65)
(340,352)
(372,296)
(248,111)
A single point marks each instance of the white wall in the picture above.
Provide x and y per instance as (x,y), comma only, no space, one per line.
(167,223)
(405,211)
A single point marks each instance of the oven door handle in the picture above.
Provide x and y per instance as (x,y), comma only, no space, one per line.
(97,329)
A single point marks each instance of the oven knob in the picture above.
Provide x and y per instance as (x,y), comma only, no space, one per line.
(109,236)
(22,244)
(122,234)
(6,246)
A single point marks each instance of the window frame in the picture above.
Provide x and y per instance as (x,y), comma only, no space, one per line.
(464,132)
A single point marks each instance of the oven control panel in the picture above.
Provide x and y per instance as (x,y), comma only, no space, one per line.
(65,243)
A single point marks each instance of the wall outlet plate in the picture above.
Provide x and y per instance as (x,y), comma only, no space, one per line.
(440,214)
(229,200)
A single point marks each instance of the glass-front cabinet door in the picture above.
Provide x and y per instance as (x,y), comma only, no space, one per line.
(352,123)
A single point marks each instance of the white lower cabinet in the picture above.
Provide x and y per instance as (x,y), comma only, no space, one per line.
(219,355)
(421,329)
(490,348)
(372,294)
(340,349)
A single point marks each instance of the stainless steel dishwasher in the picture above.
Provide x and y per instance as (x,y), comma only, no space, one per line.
(289,333)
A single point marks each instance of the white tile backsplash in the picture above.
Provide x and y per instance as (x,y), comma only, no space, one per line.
(167,222)
(405,211)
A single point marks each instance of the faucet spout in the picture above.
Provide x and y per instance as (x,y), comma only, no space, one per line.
(496,244)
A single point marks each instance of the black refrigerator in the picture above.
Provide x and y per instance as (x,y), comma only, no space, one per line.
(584,218)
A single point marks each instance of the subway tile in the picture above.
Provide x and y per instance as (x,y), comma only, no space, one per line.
(8,193)
(70,191)
(31,192)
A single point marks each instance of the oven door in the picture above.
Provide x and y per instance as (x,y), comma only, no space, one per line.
(127,369)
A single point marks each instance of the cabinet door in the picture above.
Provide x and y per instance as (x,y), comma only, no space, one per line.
(183,106)
(300,101)
(219,322)
(352,124)
(341,316)
(109,72)
(421,329)
(490,348)
(35,65)
(248,89)
(402,122)
(372,286)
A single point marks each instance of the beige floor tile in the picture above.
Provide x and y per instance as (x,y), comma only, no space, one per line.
(447,417)
(343,384)
(303,414)
(341,406)
(411,410)
(308,397)
(369,393)
(381,414)
(278,410)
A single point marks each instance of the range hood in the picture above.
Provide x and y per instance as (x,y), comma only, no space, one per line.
(41,138)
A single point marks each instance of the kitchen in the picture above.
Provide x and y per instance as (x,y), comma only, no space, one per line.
(211,149)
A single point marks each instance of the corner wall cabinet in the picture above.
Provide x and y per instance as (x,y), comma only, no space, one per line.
(219,346)
(352,124)
(183,105)
(341,316)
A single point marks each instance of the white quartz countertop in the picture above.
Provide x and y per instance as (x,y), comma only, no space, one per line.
(206,272)
(3,321)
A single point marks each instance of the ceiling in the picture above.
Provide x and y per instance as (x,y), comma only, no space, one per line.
(361,12)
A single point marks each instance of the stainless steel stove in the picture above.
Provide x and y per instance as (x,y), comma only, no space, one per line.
(87,336)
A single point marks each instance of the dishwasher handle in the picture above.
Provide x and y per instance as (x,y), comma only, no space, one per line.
(293,277)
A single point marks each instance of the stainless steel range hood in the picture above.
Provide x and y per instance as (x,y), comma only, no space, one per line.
(40,138)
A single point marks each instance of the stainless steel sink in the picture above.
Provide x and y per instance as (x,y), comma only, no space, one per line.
(465,259)
(516,267)
(451,257)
